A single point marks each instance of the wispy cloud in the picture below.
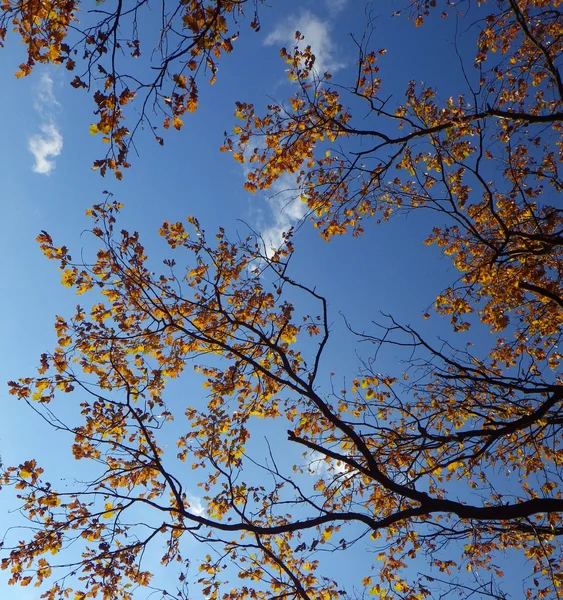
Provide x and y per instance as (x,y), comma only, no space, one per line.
(287,209)
(317,33)
(48,144)
(45,102)
(335,6)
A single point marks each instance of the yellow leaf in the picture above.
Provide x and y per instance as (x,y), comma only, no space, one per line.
(67,277)
(108,506)
(54,53)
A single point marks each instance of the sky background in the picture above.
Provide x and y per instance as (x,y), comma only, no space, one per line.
(47,184)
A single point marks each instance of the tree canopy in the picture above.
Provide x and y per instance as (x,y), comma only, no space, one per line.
(412,466)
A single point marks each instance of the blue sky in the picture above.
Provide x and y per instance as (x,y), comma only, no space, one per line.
(46,153)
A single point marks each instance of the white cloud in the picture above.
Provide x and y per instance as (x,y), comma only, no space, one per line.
(317,34)
(196,505)
(45,147)
(48,144)
(318,465)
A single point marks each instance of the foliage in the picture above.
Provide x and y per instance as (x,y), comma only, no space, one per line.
(414,466)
